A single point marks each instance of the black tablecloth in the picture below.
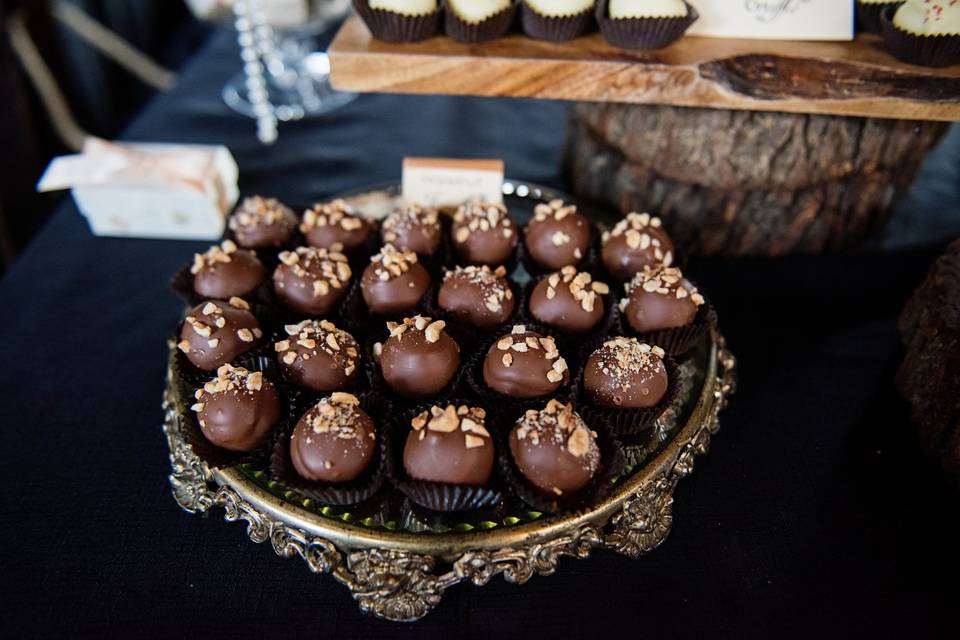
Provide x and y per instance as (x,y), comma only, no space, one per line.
(813,513)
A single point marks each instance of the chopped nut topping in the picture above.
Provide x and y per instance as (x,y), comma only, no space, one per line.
(337,212)
(407,218)
(258,211)
(579,285)
(559,424)
(245,335)
(392,262)
(323,269)
(229,379)
(432,332)
(476,216)
(666,281)
(469,421)
(635,229)
(311,338)
(507,359)
(214,255)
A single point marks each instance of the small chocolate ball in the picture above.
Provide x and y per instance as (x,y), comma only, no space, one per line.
(318,356)
(557,236)
(484,233)
(311,281)
(568,301)
(336,227)
(225,271)
(334,441)
(635,242)
(419,358)
(262,223)
(215,332)
(524,364)
(237,409)
(393,282)
(449,445)
(626,374)
(477,296)
(413,228)
(660,298)
(554,450)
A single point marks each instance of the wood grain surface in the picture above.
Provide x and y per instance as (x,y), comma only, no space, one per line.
(843,78)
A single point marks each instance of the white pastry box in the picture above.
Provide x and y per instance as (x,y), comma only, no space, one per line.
(774,19)
(149,190)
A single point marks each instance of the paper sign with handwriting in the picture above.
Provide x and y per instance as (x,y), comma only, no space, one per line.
(448,182)
(774,19)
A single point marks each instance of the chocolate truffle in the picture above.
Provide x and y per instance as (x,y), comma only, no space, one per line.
(394,281)
(524,364)
(449,445)
(626,374)
(261,223)
(483,233)
(635,242)
(477,296)
(557,235)
(660,298)
(334,441)
(237,408)
(554,450)
(214,333)
(336,227)
(419,358)
(413,228)
(310,280)
(568,301)
(225,271)
(318,356)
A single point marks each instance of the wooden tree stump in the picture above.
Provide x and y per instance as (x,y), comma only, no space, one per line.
(744,182)
(930,374)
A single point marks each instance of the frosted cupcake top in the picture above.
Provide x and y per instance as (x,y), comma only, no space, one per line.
(929,17)
(647,9)
(405,7)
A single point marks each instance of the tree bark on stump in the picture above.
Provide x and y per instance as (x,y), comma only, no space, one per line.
(747,183)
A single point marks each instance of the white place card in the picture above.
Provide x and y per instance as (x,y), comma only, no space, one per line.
(448,182)
(774,19)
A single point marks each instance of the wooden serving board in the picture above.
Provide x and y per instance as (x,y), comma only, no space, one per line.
(844,78)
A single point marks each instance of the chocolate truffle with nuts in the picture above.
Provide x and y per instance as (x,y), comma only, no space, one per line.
(660,298)
(568,301)
(449,445)
(394,281)
(554,449)
(419,358)
(477,296)
(224,271)
(319,356)
(237,409)
(413,228)
(626,374)
(262,223)
(216,332)
(557,235)
(483,233)
(334,441)
(311,281)
(638,240)
(335,226)
(524,364)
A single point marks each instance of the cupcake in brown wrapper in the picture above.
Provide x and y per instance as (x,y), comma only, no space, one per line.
(464,24)
(598,445)
(352,491)
(869,14)
(555,27)
(914,37)
(643,33)
(391,26)
(445,457)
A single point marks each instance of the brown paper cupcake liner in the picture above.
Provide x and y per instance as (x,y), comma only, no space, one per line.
(928,51)
(555,28)
(394,27)
(612,464)
(643,33)
(503,409)
(495,26)
(675,342)
(332,493)
(625,424)
(437,496)
(869,15)
(604,327)
(588,262)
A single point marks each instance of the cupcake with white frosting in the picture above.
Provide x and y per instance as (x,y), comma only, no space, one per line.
(644,24)
(868,13)
(924,32)
(556,20)
(478,20)
(400,20)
